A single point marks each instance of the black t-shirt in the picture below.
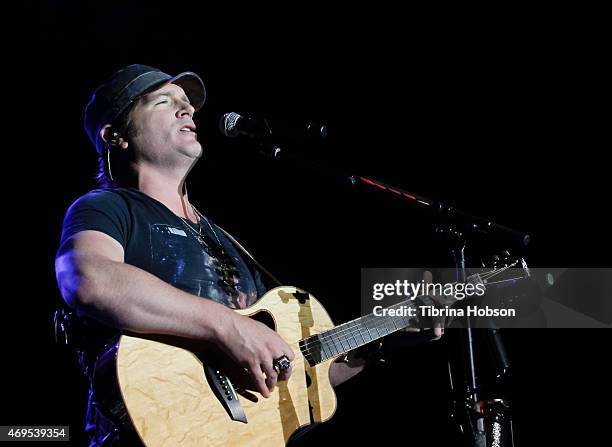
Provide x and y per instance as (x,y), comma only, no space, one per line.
(158,241)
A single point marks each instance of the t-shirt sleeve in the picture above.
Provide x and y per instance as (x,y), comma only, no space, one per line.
(100,210)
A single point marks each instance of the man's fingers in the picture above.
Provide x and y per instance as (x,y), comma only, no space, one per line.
(271,376)
(271,381)
(259,380)
(438,332)
(434,301)
(438,327)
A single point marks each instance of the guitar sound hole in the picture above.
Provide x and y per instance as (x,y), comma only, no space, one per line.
(265,318)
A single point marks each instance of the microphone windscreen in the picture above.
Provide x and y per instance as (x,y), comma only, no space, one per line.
(227,124)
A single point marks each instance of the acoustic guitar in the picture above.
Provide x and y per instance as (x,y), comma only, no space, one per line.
(178,397)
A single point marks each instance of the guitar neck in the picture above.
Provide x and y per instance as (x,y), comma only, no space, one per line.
(356,333)
(361,331)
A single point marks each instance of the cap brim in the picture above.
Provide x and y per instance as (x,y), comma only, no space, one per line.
(193,86)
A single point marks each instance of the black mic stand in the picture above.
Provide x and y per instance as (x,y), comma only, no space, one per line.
(482,423)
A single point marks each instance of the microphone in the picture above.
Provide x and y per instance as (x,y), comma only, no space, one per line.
(233,125)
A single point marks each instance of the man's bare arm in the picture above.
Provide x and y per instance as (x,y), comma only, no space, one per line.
(95,281)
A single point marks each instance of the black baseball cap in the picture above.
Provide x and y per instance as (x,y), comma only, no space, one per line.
(119,91)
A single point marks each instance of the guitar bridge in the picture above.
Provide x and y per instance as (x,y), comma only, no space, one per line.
(225,392)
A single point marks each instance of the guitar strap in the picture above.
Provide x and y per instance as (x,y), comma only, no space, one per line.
(250,257)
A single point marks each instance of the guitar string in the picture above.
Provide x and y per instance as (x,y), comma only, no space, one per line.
(348,332)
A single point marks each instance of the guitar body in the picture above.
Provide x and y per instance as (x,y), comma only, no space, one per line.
(171,403)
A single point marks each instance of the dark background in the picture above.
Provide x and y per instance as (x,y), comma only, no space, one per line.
(499,112)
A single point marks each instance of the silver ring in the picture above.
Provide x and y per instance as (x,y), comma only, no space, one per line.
(281,364)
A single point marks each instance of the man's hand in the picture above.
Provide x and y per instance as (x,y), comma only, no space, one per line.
(254,347)
(438,322)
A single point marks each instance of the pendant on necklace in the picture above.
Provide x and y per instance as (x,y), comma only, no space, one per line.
(201,241)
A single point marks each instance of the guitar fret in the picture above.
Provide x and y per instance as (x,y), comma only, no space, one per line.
(359,331)
(365,334)
(370,329)
(333,346)
(342,344)
(385,328)
(354,344)
(324,348)
(337,346)
(337,340)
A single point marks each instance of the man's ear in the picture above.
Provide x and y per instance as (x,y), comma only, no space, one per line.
(112,137)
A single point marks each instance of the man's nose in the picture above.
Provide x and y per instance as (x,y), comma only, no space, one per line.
(185,109)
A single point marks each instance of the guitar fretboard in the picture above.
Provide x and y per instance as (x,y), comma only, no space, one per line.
(354,334)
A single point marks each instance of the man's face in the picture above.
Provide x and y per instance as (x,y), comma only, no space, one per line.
(163,128)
